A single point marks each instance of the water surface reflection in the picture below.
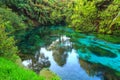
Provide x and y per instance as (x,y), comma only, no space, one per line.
(64,60)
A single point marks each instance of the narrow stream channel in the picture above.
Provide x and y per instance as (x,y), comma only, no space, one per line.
(77,56)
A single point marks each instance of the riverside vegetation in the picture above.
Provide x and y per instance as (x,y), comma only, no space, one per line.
(19,18)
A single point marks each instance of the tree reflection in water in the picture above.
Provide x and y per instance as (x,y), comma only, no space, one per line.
(60,48)
(60,56)
(93,69)
(37,62)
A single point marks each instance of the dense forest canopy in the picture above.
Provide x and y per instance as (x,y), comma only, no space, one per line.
(101,16)
(96,15)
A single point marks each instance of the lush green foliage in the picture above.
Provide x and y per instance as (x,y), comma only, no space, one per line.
(11,71)
(83,15)
(96,15)
(14,22)
(39,12)
(110,19)
(7,45)
(86,16)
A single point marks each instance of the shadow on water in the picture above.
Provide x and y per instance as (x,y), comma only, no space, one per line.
(76,56)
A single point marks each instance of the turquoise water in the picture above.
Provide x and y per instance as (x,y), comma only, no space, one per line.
(77,56)
(90,41)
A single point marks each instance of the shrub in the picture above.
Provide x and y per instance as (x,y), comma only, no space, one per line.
(7,44)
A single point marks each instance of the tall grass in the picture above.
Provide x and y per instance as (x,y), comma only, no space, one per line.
(11,71)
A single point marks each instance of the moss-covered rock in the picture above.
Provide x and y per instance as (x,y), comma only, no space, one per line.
(49,75)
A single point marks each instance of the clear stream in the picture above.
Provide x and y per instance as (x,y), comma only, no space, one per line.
(76,56)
